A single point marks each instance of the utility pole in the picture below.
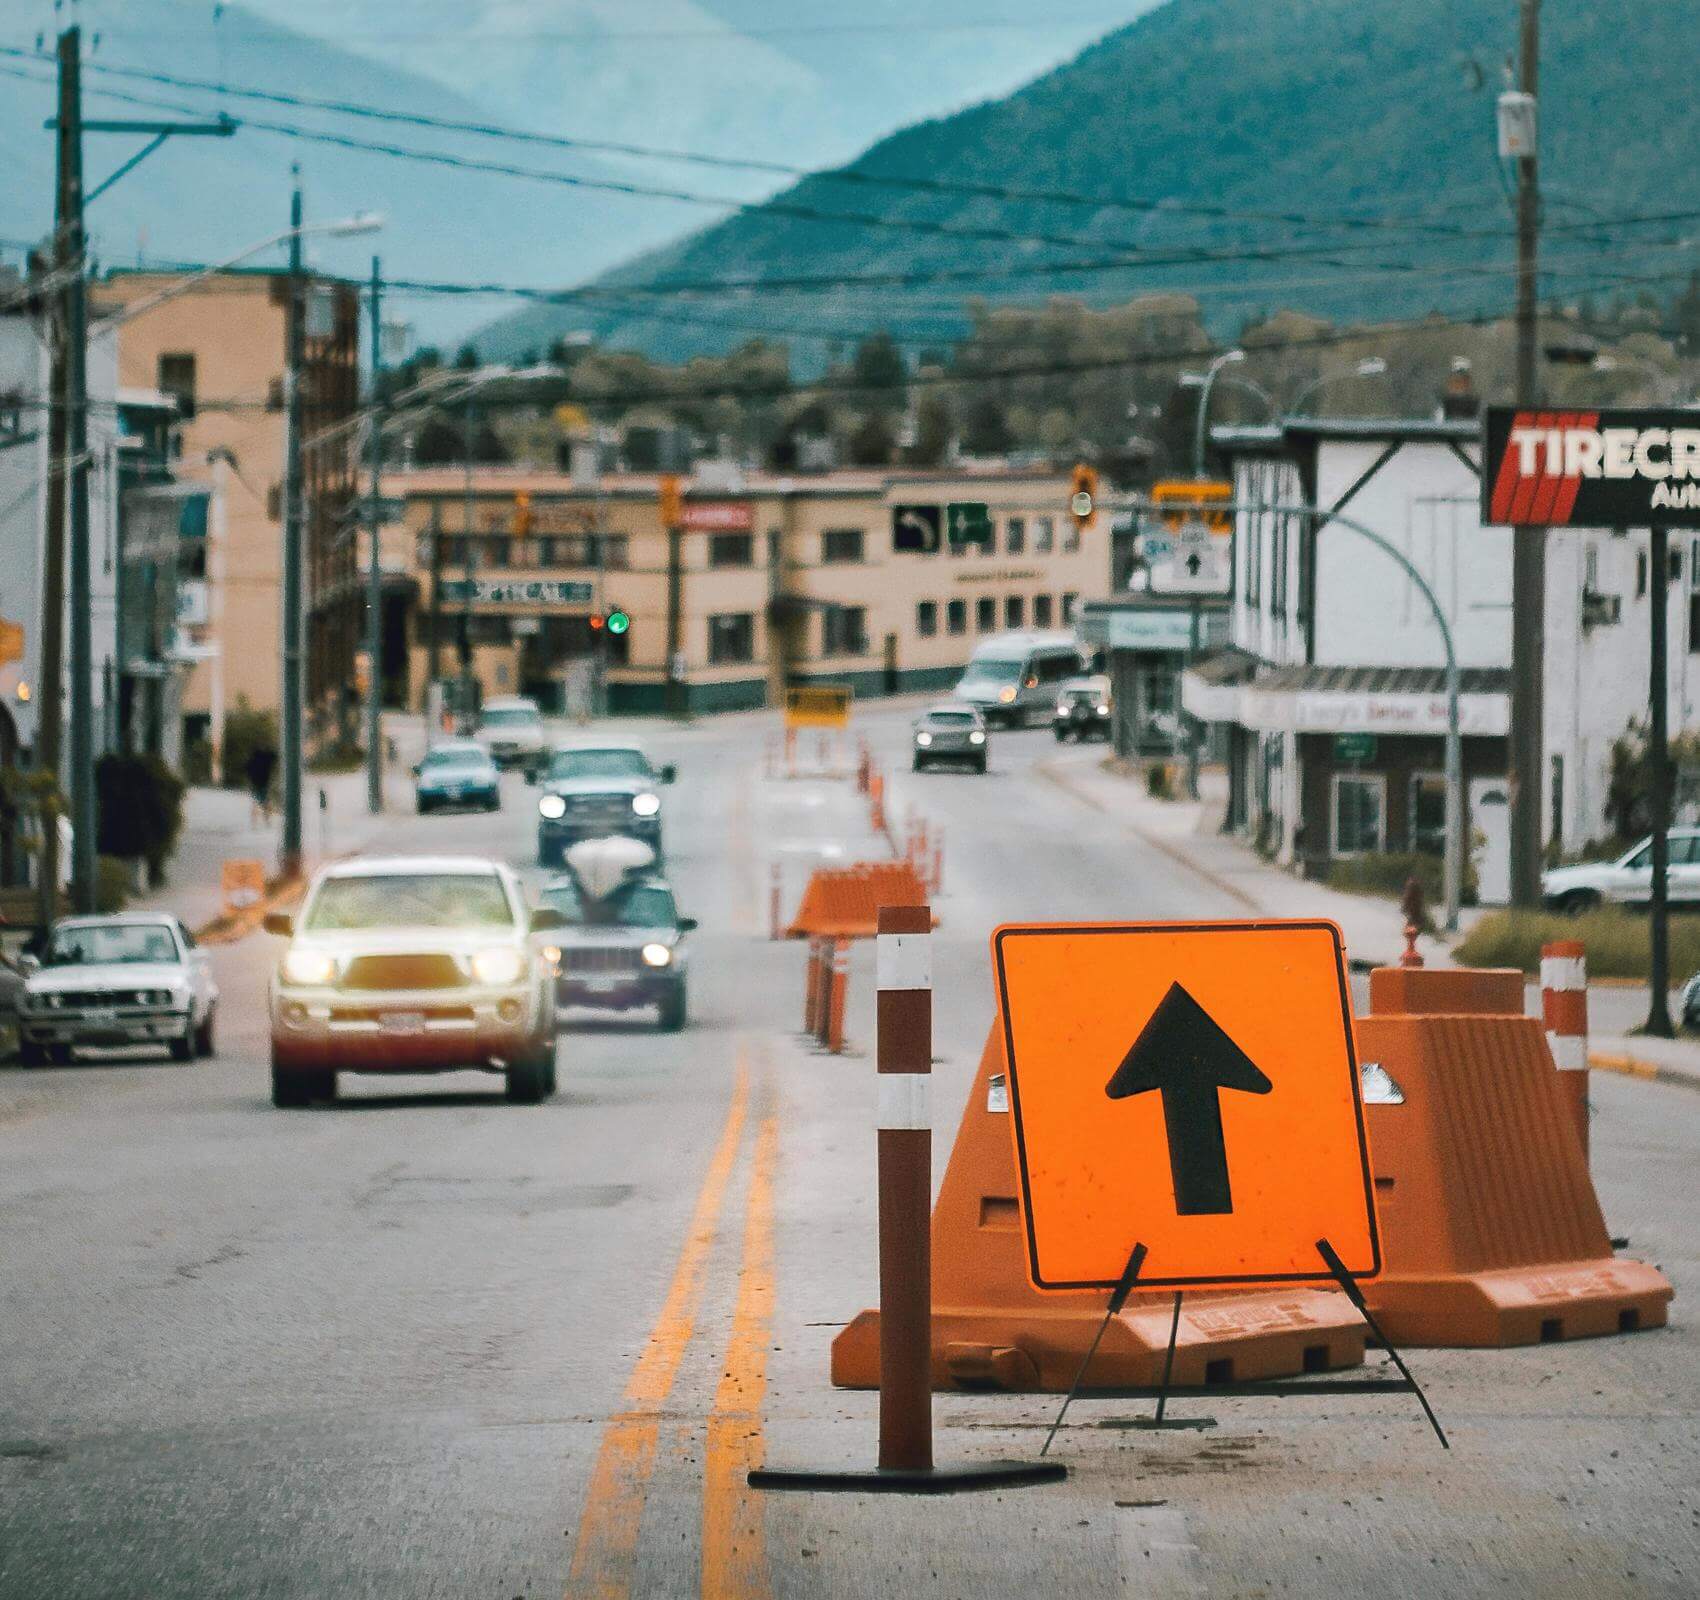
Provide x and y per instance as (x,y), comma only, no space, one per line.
(289,849)
(1528,569)
(1658,753)
(374,570)
(466,672)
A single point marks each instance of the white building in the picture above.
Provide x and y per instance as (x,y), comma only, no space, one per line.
(1332,685)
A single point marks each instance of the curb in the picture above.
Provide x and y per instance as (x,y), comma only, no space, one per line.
(1648,1071)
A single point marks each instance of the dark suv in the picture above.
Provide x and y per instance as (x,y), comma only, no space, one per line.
(620,951)
(1082,710)
(598,791)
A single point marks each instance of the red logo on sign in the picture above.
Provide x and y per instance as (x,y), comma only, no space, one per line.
(1544,497)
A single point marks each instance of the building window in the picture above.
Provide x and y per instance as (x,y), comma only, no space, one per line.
(177,379)
(1016,536)
(956,616)
(844,631)
(1071,535)
(1640,574)
(927,618)
(1068,609)
(1044,534)
(1041,611)
(1428,812)
(731,637)
(842,544)
(731,550)
(985,614)
(1358,814)
(1015,612)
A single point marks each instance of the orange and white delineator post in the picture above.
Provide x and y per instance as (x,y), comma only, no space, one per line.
(775,917)
(811,988)
(838,985)
(1564,1010)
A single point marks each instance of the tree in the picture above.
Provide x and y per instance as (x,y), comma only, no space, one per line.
(872,442)
(935,426)
(985,429)
(880,375)
(466,359)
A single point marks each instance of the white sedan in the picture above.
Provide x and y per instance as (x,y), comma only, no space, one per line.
(1627,881)
(105,982)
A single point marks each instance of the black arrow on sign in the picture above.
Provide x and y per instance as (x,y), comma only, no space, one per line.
(1182,1053)
(1193,564)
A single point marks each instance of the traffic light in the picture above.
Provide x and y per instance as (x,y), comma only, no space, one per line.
(618,622)
(1083,494)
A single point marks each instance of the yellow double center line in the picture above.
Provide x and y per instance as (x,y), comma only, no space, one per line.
(733,1558)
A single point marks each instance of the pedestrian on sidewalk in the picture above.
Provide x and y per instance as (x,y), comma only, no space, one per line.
(262,763)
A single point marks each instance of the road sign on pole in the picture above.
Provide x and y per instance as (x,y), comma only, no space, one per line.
(1189,1087)
(968,522)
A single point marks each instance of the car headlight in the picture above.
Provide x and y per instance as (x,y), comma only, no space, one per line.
(976,737)
(1062,708)
(1007,696)
(657,955)
(646,805)
(1102,711)
(923,739)
(551,953)
(308,966)
(552,806)
(503,964)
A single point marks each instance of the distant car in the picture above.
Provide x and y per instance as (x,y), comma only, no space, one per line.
(596,791)
(411,964)
(512,731)
(104,982)
(1628,880)
(1691,1002)
(1082,710)
(621,951)
(457,773)
(1013,677)
(951,733)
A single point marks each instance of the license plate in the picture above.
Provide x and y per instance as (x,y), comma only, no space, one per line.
(601,983)
(402,1022)
(100,1014)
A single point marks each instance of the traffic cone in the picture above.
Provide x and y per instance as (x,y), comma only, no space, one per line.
(991,1329)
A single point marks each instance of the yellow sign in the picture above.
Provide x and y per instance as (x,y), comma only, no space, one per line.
(11,641)
(818,705)
(1189,499)
(670,494)
(1189,1087)
(243,882)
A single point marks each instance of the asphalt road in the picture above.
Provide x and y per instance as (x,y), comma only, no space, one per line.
(424,1343)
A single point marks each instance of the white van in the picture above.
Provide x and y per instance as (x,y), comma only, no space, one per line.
(1013,677)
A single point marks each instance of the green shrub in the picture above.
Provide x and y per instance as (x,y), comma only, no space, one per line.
(197,763)
(1616,941)
(112,884)
(244,730)
(1388,875)
(343,756)
(1157,781)
(140,802)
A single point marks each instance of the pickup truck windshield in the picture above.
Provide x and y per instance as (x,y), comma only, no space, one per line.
(94,944)
(573,764)
(409,900)
(513,717)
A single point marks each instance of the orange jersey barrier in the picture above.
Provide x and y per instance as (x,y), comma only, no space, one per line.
(844,902)
(1491,1231)
(992,1329)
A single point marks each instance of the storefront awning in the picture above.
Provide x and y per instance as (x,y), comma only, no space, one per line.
(1210,687)
(1385,700)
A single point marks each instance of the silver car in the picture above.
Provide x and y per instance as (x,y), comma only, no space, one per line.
(105,982)
(952,733)
(412,964)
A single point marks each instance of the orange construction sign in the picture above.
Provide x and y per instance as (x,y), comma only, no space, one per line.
(243,882)
(1189,1087)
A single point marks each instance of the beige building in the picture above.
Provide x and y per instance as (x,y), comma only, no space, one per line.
(220,349)
(846,577)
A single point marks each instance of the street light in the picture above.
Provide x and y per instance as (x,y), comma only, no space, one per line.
(1369,367)
(1205,385)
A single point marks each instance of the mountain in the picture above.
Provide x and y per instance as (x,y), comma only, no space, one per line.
(200,199)
(1332,155)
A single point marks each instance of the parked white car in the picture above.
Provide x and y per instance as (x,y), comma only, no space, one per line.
(102,982)
(512,731)
(1627,881)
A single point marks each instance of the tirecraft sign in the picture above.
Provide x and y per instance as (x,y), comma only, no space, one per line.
(1592,469)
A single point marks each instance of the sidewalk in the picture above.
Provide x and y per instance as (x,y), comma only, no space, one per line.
(1190,832)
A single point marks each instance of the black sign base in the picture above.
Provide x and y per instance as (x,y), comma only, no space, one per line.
(938,1480)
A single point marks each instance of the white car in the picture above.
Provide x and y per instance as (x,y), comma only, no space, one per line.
(512,731)
(1627,881)
(412,964)
(104,982)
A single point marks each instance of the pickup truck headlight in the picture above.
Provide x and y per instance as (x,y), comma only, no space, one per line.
(923,739)
(552,806)
(646,805)
(976,737)
(1007,696)
(657,955)
(501,965)
(309,967)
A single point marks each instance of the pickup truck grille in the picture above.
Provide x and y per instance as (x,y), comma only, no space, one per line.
(593,960)
(403,972)
(100,999)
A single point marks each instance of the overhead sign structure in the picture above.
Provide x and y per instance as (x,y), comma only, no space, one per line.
(818,705)
(1189,1087)
(968,522)
(1625,468)
(516,591)
(1190,550)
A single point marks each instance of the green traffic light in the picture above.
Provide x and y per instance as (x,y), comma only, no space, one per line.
(618,622)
